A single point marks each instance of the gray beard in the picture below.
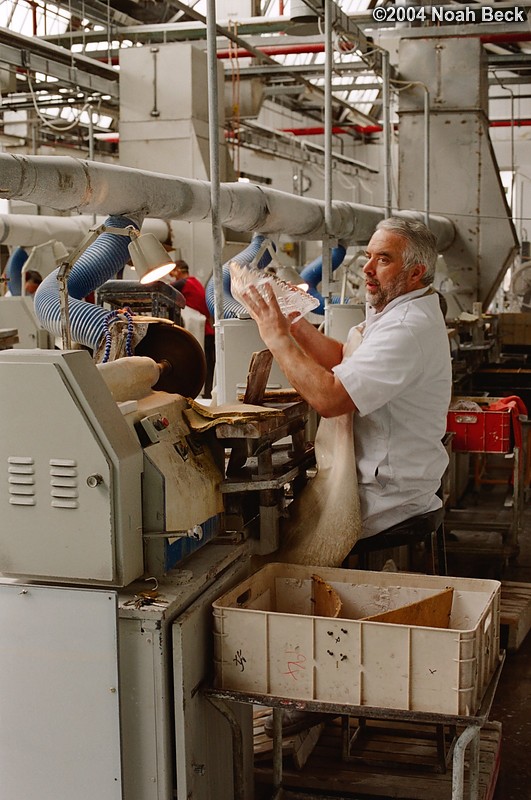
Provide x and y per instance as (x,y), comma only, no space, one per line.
(382,297)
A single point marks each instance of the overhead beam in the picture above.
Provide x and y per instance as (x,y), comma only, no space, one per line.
(29,54)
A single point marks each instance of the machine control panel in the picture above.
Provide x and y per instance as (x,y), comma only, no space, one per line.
(155,425)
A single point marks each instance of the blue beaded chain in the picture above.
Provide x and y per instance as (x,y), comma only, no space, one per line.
(112,315)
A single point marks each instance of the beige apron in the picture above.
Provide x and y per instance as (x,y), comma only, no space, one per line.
(324,520)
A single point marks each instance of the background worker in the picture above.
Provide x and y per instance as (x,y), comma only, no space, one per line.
(397,382)
(194,293)
(32,281)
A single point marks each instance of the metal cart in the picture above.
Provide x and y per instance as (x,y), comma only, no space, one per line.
(468,737)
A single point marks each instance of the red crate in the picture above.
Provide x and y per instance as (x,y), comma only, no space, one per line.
(481,431)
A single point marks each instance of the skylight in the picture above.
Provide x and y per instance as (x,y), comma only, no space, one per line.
(36,18)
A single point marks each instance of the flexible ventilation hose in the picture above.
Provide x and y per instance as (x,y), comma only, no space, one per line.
(312,275)
(231,308)
(101,261)
(13,270)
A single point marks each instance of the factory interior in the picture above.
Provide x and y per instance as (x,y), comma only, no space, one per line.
(180,534)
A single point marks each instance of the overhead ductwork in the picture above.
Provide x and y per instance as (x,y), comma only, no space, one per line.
(28,230)
(68,184)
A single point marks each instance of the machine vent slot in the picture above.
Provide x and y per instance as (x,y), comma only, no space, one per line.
(64,491)
(63,483)
(62,503)
(64,472)
(21,480)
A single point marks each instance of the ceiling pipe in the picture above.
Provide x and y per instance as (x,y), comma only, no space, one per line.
(29,230)
(275,50)
(510,123)
(69,184)
(504,38)
(327,244)
(318,130)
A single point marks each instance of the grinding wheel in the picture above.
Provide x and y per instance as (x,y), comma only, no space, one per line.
(179,354)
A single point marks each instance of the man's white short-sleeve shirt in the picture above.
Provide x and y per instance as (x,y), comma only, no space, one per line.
(399,378)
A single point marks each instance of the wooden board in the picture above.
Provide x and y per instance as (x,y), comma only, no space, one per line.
(259,369)
(326,775)
(515,611)
(432,612)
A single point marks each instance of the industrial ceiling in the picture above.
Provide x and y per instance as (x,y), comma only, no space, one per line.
(61,62)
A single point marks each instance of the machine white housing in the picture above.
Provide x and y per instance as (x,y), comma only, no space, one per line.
(70,491)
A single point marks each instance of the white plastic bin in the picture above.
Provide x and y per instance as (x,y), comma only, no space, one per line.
(267,641)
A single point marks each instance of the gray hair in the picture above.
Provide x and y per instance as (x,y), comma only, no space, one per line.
(421,244)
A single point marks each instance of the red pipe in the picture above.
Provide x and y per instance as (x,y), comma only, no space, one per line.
(510,123)
(274,50)
(504,38)
(368,129)
(319,130)
(318,47)
(34,17)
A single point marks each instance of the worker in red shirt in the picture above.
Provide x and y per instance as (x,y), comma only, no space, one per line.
(194,293)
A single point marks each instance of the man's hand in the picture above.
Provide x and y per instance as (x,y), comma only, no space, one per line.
(311,375)
(272,324)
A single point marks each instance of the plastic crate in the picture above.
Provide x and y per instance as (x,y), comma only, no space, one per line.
(267,641)
(481,431)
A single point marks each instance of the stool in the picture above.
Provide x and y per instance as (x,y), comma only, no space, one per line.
(427,528)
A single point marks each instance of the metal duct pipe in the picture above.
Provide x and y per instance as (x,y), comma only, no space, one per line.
(29,230)
(69,184)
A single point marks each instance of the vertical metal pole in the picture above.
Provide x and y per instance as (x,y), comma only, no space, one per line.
(91,146)
(91,135)
(521,211)
(213,134)
(387,133)
(34,137)
(458,762)
(327,261)
(277,749)
(426,156)
(300,192)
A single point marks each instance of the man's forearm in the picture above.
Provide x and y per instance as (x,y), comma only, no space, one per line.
(314,382)
(326,351)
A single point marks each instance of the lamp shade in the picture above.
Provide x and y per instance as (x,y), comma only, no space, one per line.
(150,259)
